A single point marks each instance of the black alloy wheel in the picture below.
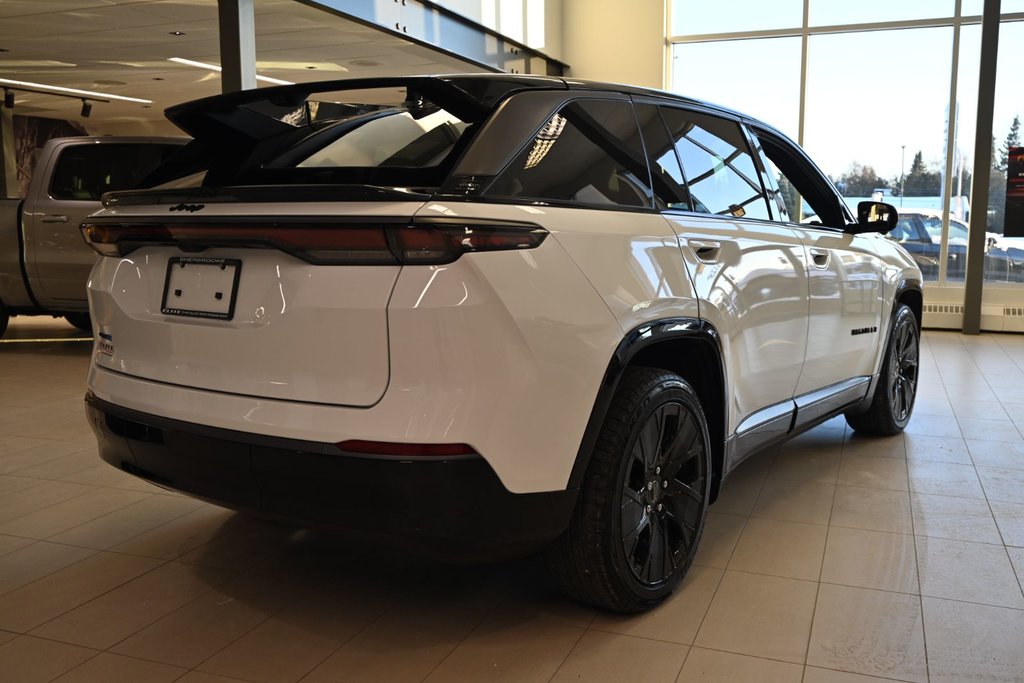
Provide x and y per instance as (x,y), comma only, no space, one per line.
(663,494)
(892,403)
(903,363)
(644,497)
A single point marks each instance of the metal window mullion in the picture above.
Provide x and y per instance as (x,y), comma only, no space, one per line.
(951,124)
(975,274)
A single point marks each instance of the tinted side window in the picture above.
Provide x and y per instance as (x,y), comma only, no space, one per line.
(719,170)
(666,173)
(590,152)
(85,172)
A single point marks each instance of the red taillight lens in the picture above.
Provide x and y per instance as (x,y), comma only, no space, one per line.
(407,450)
(423,243)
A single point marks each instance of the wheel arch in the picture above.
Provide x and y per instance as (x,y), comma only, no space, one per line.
(909,292)
(689,347)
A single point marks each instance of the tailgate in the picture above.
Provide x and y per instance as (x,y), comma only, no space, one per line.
(251,320)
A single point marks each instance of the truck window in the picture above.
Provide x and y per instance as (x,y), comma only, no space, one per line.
(85,172)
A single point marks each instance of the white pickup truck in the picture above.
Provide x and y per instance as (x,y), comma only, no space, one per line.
(44,264)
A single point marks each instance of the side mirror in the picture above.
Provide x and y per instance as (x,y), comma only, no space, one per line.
(874,217)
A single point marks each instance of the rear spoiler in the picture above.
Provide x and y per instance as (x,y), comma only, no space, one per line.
(233,118)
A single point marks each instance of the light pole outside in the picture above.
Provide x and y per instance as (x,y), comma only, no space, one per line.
(903,159)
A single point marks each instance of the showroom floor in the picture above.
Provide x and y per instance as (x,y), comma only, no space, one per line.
(890,557)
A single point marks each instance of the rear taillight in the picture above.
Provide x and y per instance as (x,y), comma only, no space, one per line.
(427,242)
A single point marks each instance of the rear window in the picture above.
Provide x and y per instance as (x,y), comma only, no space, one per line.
(85,172)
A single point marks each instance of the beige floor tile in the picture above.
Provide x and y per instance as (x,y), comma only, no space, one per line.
(36,603)
(41,452)
(933,425)
(968,642)
(27,660)
(740,489)
(870,559)
(813,674)
(963,519)
(807,464)
(541,642)
(35,561)
(173,539)
(872,472)
(41,494)
(70,513)
(989,430)
(997,454)
(202,677)
(777,548)
(1015,411)
(944,479)
(611,657)
(1003,485)
(878,447)
(8,544)
(872,509)
(795,501)
(83,458)
(979,410)
(122,525)
(712,666)
(971,572)
(107,668)
(203,627)
(1010,520)
(102,474)
(721,532)
(937,448)
(933,405)
(419,631)
(868,632)
(107,620)
(675,620)
(293,642)
(243,546)
(762,616)
(1017,560)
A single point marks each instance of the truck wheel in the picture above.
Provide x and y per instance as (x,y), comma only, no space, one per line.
(893,401)
(4,318)
(80,320)
(644,498)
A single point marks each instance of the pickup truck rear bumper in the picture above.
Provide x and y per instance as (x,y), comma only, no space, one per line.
(451,509)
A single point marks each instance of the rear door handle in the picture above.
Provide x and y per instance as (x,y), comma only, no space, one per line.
(55,218)
(705,250)
(819,257)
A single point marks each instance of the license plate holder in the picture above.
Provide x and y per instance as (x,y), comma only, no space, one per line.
(201,287)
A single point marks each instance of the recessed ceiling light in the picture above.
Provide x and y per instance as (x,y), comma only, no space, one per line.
(158,78)
(42,87)
(310,67)
(4,49)
(214,67)
(177,33)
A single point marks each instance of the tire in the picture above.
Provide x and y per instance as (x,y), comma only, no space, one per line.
(893,401)
(80,320)
(4,319)
(635,530)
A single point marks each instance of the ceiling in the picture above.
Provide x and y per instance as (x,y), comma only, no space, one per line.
(122,47)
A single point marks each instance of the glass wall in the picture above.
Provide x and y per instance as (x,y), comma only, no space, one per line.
(881,112)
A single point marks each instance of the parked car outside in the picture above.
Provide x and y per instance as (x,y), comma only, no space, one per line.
(483,316)
(919,231)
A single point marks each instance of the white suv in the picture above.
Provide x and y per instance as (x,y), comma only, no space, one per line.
(484,315)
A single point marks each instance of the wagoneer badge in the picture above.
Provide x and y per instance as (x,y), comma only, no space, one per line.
(191,208)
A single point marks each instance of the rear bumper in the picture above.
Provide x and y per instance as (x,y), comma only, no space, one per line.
(453,509)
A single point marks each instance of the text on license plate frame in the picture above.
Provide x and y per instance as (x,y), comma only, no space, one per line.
(176,265)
